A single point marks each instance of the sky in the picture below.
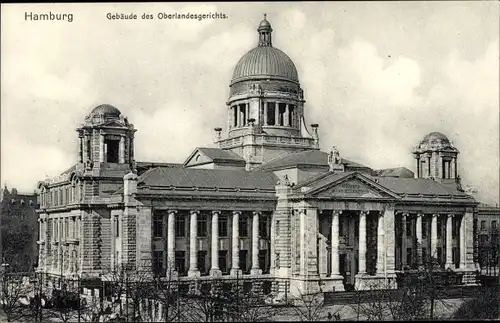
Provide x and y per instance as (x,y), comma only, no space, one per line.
(377,77)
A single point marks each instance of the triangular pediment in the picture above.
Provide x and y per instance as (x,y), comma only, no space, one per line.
(353,186)
(197,157)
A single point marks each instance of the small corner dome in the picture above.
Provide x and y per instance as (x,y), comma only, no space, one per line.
(105,111)
(435,140)
(264,24)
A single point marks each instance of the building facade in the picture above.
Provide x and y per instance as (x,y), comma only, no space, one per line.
(266,202)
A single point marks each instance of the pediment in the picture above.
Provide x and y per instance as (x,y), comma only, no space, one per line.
(197,157)
(356,186)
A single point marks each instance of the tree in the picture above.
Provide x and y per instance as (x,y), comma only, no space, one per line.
(13,287)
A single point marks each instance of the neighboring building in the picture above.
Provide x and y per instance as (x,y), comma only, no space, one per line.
(19,222)
(488,222)
(266,203)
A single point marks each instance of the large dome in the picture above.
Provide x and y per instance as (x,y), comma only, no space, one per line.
(435,140)
(265,61)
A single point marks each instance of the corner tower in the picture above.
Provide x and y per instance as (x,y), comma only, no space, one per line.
(436,158)
(266,105)
(105,142)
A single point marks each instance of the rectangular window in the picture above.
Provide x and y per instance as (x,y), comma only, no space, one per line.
(201,257)
(263,227)
(263,260)
(277,261)
(494,225)
(409,225)
(483,225)
(247,287)
(117,226)
(424,228)
(439,227)
(454,231)
(180,226)
(277,228)
(409,254)
(180,262)
(243,260)
(223,226)
(223,261)
(158,225)
(157,261)
(201,226)
(243,226)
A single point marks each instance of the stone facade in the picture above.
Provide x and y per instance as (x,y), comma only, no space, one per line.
(311,221)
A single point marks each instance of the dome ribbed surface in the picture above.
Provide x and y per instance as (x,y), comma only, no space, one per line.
(265,61)
(435,136)
(106,110)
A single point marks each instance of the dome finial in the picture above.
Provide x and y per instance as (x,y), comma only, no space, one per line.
(265,16)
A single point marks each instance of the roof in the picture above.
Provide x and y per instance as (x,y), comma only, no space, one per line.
(207,178)
(424,186)
(305,158)
(395,172)
(144,166)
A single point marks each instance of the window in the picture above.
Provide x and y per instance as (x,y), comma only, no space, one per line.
(409,224)
(223,261)
(247,287)
(223,226)
(243,226)
(277,261)
(243,261)
(263,260)
(117,226)
(201,226)
(201,257)
(409,255)
(158,225)
(454,231)
(494,225)
(424,228)
(483,225)
(439,255)
(157,261)
(180,262)
(439,228)
(277,228)
(111,148)
(263,227)
(180,226)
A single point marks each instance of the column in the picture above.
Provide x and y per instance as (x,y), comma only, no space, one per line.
(215,270)
(101,148)
(418,230)
(433,251)
(85,149)
(335,243)
(276,113)
(286,116)
(462,243)
(235,268)
(265,113)
(240,116)
(440,166)
(453,168)
(193,228)
(255,245)
(404,239)
(362,243)
(449,241)
(272,267)
(247,115)
(381,244)
(171,240)
(80,157)
(121,150)
(303,232)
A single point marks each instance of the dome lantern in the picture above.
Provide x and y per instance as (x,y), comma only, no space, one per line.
(265,30)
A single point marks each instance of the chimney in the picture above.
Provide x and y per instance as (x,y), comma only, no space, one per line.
(217,134)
